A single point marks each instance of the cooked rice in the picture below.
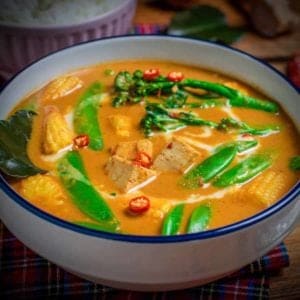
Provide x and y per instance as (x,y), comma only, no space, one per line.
(53,12)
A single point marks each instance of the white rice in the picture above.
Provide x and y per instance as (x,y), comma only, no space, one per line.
(53,12)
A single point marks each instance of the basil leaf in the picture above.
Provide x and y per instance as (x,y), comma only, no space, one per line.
(223,34)
(14,135)
(204,22)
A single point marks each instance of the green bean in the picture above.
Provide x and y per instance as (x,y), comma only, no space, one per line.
(73,177)
(199,219)
(104,226)
(235,97)
(86,116)
(172,221)
(209,168)
(244,171)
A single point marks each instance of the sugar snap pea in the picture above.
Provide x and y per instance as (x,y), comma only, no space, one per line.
(209,168)
(172,221)
(244,171)
(242,146)
(73,177)
(103,226)
(199,219)
(86,116)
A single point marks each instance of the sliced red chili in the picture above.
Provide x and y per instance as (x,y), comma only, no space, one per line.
(170,146)
(151,74)
(175,76)
(247,135)
(81,141)
(174,115)
(143,159)
(139,204)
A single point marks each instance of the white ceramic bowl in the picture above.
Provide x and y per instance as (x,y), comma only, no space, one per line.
(21,45)
(139,262)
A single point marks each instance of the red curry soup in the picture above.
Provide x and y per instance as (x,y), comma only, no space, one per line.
(149,148)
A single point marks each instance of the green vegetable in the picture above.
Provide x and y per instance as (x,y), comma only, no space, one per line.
(223,34)
(176,100)
(199,219)
(15,133)
(109,227)
(244,171)
(242,146)
(159,118)
(204,22)
(234,97)
(242,127)
(86,116)
(295,163)
(172,221)
(109,72)
(209,168)
(132,88)
(73,176)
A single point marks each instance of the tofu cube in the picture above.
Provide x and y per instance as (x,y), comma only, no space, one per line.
(176,156)
(126,175)
(129,150)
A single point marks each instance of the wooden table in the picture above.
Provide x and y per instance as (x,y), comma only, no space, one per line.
(285,285)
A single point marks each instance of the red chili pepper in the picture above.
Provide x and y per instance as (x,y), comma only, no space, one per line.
(247,135)
(143,159)
(139,204)
(81,141)
(293,70)
(175,76)
(174,115)
(151,74)
(170,146)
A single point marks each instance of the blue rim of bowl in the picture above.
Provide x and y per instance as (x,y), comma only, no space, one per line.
(213,233)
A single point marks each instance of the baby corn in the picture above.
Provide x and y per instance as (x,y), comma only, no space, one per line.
(56,134)
(265,189)
(61,87)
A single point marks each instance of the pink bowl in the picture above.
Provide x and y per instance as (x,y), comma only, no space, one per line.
(21,45)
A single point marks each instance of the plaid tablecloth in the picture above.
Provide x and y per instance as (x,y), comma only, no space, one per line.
(26,275)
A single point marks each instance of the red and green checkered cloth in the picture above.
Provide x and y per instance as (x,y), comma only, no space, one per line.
(26,275)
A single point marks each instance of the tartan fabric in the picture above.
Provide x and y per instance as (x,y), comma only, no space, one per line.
(26,275)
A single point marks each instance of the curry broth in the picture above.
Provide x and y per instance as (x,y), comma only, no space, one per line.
(226,204)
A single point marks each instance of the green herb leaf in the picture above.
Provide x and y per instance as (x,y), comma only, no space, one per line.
(15,133)
(204,22)
(223,34)
(294,163)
